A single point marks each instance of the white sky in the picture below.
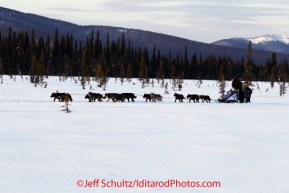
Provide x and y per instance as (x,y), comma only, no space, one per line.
(201,20)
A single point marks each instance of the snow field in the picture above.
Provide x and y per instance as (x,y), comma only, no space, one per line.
(42,149)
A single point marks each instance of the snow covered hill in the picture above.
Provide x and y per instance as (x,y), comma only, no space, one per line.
(273,43)
(233,147)
(269,38)
(43,26)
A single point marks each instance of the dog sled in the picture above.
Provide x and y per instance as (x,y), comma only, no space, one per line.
(233,96)
(230,97)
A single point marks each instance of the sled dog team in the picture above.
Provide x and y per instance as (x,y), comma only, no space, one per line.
(121,97)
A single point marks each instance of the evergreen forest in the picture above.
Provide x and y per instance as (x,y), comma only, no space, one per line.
(22,54)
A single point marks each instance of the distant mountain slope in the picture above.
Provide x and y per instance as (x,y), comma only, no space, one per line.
(44,26)
(272,43)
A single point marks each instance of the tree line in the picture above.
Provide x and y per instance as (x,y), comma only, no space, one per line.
(22,53)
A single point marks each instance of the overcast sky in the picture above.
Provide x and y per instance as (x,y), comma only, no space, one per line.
(201,20)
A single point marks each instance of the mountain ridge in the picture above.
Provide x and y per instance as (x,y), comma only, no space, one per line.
(271,42)
(44,26)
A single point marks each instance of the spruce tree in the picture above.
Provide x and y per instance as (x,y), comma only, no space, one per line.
(10,52)
(142,69)
(40,68)
(272,77)
(173,76)
(273,69)
(83,72)
(33,69)
(160,72)
(122,72)
(283,77)
(55,56)
(129,72)
(99,74)
(181,80)
(186,63)
(147,79)
(248,75)
(67,69)
(221,81)
(33,43)
(47,53)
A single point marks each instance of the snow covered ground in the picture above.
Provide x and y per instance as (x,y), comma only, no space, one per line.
(244,147)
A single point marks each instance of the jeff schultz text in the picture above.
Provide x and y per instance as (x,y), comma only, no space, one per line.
(102,183)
